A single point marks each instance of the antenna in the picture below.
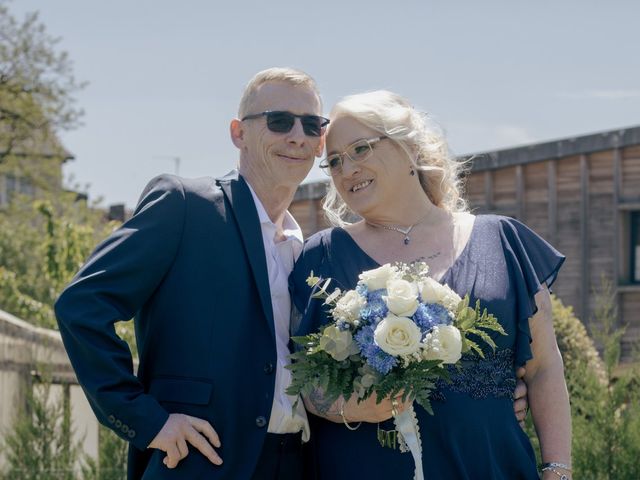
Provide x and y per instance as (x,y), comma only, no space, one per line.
(176,161)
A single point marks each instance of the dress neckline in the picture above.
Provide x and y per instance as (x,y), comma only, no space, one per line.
(458,259)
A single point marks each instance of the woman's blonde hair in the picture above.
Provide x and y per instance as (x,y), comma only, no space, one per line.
(419,136)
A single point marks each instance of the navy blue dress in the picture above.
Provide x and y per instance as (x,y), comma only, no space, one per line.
(473,433)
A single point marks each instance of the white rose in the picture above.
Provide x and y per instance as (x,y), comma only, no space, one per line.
(402,297)
(443,343)
(435,292)
(377,278)
(338,343)
(397,336)
(348,307)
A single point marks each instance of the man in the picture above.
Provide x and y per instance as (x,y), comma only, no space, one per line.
(203,267)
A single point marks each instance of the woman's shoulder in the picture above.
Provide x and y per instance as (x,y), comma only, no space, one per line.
(322,239)
(502,223)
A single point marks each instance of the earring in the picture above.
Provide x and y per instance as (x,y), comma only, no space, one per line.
(412,172)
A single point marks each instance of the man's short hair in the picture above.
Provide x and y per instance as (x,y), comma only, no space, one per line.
(276,74)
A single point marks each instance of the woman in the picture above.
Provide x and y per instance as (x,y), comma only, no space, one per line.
(392,168)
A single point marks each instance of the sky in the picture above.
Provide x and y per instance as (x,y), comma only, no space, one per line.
(165,77)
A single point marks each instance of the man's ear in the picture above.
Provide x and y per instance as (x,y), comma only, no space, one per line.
(237,133)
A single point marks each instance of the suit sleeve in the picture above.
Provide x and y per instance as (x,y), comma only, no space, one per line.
(117,279)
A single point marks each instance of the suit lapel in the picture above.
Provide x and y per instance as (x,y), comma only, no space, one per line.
(244,210)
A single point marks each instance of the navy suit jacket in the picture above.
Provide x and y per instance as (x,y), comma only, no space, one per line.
(190,267)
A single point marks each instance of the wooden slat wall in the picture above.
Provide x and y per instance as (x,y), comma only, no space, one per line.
(601,223)
(305,213)
(568,230)
(630,308)
(536,198)
(631,174)
(504,191)
(475,191)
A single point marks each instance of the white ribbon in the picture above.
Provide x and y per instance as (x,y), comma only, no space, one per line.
(407,426)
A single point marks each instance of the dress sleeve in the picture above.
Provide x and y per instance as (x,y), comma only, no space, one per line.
(531,262)
(312,259)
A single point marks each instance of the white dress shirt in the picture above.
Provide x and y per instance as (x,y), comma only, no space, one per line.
(281,256)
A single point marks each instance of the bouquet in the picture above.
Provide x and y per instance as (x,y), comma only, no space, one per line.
(391,335)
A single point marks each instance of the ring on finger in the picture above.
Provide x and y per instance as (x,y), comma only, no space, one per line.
(394,407)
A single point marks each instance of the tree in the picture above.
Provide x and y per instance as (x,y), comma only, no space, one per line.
(605,400)
(606,414)
(43,242)
(36,88)
(39,444)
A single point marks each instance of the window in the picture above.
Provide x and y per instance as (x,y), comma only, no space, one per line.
(18,185)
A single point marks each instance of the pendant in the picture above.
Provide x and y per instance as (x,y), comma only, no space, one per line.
(406,240)
(387,438)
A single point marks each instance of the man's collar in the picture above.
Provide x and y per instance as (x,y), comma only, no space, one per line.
(290,227)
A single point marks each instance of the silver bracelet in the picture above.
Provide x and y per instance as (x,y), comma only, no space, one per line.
(551,467)
(344,420)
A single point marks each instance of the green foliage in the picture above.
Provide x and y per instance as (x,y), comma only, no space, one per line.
(112,458)
(605,396)
(36,87)
(470,322)
(39,445)
(43,242)
(606,414)
(576,346)
(319,364)
(312,368)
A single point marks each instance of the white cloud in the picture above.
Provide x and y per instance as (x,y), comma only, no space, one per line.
(512,135)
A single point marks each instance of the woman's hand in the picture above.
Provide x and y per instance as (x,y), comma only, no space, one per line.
(370,411)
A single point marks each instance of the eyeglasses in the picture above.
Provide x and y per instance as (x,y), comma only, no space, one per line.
(282,122)
(358,152)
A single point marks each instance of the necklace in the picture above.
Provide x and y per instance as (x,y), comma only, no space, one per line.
(405,231)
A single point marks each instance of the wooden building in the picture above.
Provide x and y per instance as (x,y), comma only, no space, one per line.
(582,194)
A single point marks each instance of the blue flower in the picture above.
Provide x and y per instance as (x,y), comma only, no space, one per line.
(364,338)
(382,361)
(362,290)
(376,308)
(375,356)
(429,315)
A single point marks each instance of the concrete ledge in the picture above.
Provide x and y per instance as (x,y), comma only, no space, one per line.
(25,347)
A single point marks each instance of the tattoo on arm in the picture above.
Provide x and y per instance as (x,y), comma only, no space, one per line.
(322,405)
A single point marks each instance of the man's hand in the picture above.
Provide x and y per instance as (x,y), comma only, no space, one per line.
(180,429)
(520,402)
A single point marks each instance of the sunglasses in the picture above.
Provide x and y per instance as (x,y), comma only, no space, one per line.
(358,152)
(282,122)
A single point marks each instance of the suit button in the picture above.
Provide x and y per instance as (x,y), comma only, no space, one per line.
(118,423)
(125,429)
(268,368)
(261,421)
(131,434)
(111,419)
